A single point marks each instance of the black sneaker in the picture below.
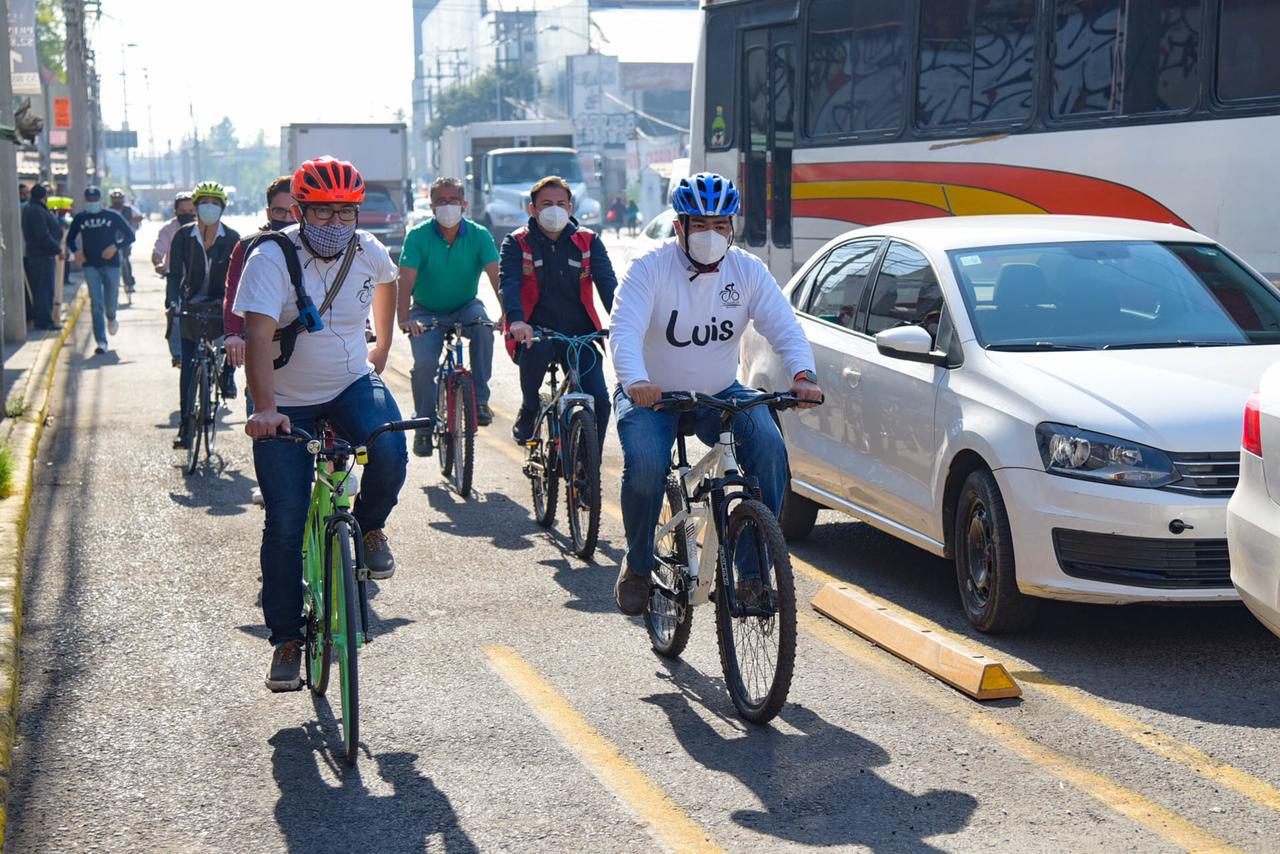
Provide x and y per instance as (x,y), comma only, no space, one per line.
(99,350)
(631,592)
(484,415)
(378,559)
(422,444)
(182,442)
(522,430)
(286,664)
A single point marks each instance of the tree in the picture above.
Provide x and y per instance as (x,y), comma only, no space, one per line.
(479,100)
(222,136)
(51,38)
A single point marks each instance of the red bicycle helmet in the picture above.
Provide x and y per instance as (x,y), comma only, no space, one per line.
(327,180)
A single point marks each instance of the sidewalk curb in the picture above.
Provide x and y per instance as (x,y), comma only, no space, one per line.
(23,439)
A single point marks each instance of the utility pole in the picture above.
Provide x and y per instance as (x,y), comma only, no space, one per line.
(77,81)
(13,305)
(124,125)
(195,146)
(151,131)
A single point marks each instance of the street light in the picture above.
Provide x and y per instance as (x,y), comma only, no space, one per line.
(124,91)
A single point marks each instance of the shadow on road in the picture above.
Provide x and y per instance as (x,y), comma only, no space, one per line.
(816,787)
(318,815)
(492,515)
(218,490)
(1152,656)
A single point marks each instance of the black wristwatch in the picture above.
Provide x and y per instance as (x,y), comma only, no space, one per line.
(806,375)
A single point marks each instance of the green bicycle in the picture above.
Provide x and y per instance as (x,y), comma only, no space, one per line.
(333,598)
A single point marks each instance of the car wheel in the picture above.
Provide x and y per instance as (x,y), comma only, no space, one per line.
(797,516)
(983,547)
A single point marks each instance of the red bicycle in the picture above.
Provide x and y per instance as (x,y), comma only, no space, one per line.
(455,427)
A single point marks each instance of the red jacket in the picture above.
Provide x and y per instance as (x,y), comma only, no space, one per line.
(530,289)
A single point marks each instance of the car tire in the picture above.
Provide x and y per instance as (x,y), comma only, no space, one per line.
(797,516)
(984,559)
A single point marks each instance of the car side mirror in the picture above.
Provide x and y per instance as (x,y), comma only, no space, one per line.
(911,343)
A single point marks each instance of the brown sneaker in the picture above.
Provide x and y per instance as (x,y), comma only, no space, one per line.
(286,663)
(378,559)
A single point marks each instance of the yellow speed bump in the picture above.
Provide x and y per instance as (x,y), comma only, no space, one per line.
(970,672)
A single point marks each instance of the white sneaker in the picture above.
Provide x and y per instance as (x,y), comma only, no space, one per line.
(256,498)
(113,326)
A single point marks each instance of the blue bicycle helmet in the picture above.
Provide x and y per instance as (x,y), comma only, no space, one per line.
(706,194)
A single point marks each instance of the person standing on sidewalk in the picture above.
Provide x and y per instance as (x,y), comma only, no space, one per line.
(104,232)
(42,246)
(198,260)
(184,211)
(440,270)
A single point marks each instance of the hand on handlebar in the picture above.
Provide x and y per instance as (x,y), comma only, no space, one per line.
(265,423)
(644,393)
(521,333)
(808,392)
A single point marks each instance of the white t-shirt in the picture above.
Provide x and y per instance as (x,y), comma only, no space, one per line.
(325,362)
(685,335)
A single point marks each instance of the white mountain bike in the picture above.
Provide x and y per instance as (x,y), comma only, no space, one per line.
(742,563)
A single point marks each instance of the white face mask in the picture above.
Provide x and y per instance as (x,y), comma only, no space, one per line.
(209,213)
(553,219)
(707,247)
(448,215)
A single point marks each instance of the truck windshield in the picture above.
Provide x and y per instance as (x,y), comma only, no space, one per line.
(527,167)
(1113,295)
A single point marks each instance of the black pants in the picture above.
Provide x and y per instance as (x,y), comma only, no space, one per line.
(40,273)
(534,362)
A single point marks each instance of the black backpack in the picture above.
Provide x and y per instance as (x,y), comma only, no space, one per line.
(308,318)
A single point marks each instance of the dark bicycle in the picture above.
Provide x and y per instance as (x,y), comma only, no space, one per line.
(565,443)
(203,323)
(713,524)
(454,433)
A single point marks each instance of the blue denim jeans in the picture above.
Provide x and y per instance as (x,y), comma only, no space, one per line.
(285,473)
(647,437)
(426,354)
(104,291)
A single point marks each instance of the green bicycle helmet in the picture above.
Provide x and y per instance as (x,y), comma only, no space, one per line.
(210,188)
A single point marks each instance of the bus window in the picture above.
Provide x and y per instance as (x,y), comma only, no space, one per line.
(783,72)
(756,71)
(1158,72)
(975,61)
(854,66)
(720,54)
(1248,64)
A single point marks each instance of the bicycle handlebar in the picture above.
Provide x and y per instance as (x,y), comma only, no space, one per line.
(541,333)
(683,401)
(298,436)
(436,324)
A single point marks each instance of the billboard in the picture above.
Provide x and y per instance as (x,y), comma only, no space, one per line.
(24,63)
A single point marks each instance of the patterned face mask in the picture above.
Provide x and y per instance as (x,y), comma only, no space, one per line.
(329,240)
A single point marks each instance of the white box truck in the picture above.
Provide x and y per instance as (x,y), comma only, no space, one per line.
(379,151)
(500,161)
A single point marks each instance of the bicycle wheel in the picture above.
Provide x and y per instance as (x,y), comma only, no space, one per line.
(464,432)
(209,406)
(757,653)
(191,418)
(582,482)
(444,427)
(317,598)
(541,467)
(347,637)
(669,622)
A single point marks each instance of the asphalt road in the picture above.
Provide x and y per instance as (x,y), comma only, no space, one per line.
(508,706)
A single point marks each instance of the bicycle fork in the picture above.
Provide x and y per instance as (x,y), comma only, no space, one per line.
(357,565)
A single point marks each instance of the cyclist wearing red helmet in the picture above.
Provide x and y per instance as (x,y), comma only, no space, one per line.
(321,367)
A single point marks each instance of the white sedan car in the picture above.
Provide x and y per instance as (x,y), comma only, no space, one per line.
(1053,402)
(1253,516)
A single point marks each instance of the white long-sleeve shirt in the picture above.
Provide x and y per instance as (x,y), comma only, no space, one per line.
(684,335)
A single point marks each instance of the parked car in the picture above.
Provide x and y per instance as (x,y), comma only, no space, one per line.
(420,213)
(1253,516)
(1051,401)
(655,233)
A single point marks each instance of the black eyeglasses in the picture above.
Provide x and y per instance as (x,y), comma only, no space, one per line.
(282,213)
(324,213)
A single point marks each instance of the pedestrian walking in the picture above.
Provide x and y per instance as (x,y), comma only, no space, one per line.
(104,232)
(42,246)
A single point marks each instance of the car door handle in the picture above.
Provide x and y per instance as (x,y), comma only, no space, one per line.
(852,375)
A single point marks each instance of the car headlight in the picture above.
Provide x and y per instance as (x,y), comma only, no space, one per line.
(1072,452)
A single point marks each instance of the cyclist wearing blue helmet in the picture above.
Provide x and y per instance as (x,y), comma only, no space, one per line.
(676,325)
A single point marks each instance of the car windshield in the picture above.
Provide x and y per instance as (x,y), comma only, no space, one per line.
(528,167)
(1113,295)
(377,200)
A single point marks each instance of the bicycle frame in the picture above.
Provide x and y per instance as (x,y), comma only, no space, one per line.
(451,363)
(331,498)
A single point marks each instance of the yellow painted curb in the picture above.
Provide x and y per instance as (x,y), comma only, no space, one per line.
(962,669)
(23,442)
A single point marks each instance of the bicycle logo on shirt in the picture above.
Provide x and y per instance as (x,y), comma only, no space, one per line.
(366,292)
(729,296)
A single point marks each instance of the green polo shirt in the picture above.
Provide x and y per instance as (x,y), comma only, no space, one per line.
(448,276)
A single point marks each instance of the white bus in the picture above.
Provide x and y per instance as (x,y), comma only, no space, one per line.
(836,113)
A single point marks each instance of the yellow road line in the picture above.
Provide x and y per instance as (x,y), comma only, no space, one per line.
(665,817)
(1141,809)
(1162,744)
